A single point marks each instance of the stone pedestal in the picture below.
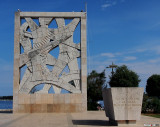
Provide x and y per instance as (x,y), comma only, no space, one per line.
(49,103)
(123,104)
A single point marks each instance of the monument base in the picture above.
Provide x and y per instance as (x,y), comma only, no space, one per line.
(123,104)
(49,103)
(126,121)
(119,122)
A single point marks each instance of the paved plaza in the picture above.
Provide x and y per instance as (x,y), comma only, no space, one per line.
(87,119)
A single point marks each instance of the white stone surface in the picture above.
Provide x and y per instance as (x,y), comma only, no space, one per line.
(123,103)
(37,57)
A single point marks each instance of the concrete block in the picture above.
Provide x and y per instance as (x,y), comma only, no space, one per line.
(44,108)
(21,99)
(27,108)
(123,103)
(50,99)
(27,99)
(44,98)
(76,98)
(61,99)
(33,98)
(67,99)
(62,107)
(37,108)
(56,107)
(49,108)
(78,108)
(72,107)
(55,99)
(21,108)
(38,99)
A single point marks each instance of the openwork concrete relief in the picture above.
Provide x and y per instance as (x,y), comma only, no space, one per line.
(37,56)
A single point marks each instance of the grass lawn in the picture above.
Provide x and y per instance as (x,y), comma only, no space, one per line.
(153,115)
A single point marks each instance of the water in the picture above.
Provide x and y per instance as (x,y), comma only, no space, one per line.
(6,104)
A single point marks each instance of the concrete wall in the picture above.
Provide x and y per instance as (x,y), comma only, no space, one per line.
(39,102)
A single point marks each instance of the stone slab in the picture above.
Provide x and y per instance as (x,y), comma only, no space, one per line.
(51,14)
(123,103)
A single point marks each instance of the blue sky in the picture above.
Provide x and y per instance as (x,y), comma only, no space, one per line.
(123,31)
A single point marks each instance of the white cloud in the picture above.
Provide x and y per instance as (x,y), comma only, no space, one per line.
(152,46)
(155,25)
(106,5)
(156,49)
(122,0)
(110,3)
(128,58)
(145,68)
(138,50)
(157,60)
(119,53)
(114,3)
(143,59)
(111,55)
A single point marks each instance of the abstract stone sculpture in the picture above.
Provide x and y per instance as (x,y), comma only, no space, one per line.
(36,58)
(39,42)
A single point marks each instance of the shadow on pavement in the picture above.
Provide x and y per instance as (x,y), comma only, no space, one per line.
(92,122)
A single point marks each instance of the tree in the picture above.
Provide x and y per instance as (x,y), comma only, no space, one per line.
(150,104)
(153,85)
(123,77)
(156,105)
(145,103)
(95,81)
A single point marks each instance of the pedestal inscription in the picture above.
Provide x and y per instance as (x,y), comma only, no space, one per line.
(127,103)
(123,103)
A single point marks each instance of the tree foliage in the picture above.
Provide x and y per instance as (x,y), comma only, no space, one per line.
(150,104)
(153,85)
(145,103)
(123,77)
(95,81)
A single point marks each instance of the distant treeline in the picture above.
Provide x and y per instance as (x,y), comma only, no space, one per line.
(6,97)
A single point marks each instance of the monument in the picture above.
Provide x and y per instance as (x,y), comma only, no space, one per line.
(123,104)
(33,42)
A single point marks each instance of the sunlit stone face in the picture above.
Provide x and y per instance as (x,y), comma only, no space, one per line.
(36,57)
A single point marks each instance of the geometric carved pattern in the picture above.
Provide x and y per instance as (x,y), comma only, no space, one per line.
(36,57)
